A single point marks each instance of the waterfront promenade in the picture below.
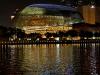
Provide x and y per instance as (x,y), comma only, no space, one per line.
(50,42)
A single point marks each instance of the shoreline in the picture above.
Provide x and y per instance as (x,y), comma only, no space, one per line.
(50,42)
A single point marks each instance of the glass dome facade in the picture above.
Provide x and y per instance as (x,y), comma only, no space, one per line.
(46,18)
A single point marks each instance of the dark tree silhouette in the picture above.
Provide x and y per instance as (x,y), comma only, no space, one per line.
(86,34)
(20,33)
(48,35)
(97,34)
(72,33)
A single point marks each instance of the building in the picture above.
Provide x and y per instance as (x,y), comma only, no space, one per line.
(44,18)
(98,14)
(89,14)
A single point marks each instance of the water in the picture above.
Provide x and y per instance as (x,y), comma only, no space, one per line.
(50,59)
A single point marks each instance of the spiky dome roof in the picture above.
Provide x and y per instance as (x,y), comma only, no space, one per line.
(46,15)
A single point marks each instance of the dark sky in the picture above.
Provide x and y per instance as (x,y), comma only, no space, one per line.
(7,8)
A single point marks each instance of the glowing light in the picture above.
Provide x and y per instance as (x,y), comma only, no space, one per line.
(57,38)
(92,6)
(12,17)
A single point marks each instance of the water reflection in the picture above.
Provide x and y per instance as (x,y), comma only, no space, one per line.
(50,59)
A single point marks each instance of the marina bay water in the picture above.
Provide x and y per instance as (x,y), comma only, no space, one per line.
(50,59)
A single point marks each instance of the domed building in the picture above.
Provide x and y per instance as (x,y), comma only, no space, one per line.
(44,18)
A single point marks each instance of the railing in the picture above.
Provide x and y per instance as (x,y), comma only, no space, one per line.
(51,41)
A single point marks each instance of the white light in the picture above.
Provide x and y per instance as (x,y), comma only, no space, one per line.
(12,17)
(92,6)
(58,46)
(57,38)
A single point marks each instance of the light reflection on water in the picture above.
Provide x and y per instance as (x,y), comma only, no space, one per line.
(50,59)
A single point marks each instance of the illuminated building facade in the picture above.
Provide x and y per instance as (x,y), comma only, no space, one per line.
(97,14)
(89,14)
(44,18)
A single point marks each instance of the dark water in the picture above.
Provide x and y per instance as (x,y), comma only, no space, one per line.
(53,59)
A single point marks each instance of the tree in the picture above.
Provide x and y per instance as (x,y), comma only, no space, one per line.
(48,35)
(20,33)
(86,34)
(60,34)
(97,34)
(72,33)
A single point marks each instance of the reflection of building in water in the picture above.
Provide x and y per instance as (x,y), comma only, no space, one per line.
(44,18)
(93,60)
(76,59)
(85,59)
(50,59)
(46,59)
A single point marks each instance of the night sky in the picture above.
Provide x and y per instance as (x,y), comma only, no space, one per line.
(7,8)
